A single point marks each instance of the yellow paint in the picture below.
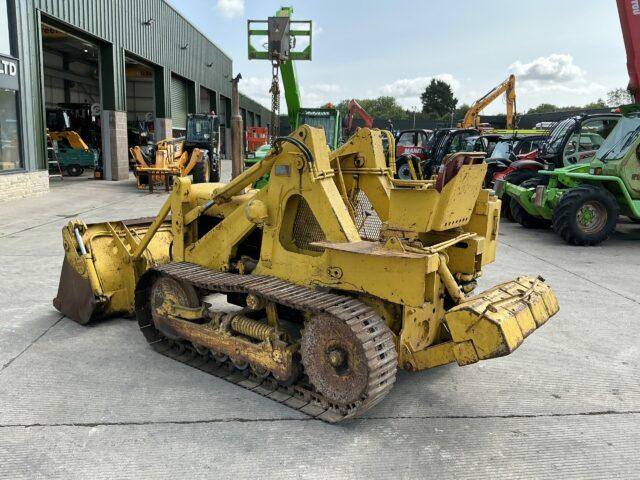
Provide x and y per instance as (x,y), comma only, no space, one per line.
(432,244)
(71,137)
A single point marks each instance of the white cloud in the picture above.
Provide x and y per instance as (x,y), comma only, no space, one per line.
(408,90)
(556,67)
(303,42)
(254,85)
(576,88)
(230,8)
(556,73)
(326,87)
(315,95)
(319,94)
(257,88)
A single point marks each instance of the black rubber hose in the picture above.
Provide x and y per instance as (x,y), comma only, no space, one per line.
(294,141)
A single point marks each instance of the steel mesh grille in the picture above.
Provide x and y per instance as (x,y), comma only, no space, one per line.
(306,228)
(367,220)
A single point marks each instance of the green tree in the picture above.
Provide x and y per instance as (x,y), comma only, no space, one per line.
(461,111)
(619,96)
(381,108)
(549,107)
(544,108)
(600,103)
(438,100)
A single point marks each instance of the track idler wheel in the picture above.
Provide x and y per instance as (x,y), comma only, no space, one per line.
(166,289)
(334,359)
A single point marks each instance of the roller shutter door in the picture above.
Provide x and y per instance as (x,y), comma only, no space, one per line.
(178,102)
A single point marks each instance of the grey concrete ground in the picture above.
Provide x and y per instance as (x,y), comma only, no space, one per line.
(97,402)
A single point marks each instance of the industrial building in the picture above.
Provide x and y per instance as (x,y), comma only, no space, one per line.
(123,63)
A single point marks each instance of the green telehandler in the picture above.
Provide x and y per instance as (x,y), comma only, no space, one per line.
(584,201)
(288,41)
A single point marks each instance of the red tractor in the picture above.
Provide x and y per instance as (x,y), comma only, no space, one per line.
(413,142)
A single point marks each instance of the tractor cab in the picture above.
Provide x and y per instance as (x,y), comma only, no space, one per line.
(58,120)
(441,143)
(577,139)
(414,142)
(326,118)
(619,155)
(457,140)
(203,132)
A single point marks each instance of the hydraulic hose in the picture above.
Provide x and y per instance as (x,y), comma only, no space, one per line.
(294,141)
(248,176)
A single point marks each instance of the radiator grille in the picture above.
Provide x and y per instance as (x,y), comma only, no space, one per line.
(306,228)
(367,220)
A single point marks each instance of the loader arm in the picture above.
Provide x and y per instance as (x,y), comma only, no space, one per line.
(508,87)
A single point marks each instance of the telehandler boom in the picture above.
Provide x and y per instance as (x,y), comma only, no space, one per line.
(334,274)
(283,36)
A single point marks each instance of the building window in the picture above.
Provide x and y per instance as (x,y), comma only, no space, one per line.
(9,136)
(5,35)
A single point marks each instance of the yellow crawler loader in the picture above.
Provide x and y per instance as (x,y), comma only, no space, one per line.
(315,289)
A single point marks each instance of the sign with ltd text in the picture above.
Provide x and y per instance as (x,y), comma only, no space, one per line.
(8,73)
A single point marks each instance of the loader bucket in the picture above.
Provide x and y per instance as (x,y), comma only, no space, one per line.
(495,322)
(98,275)
(75,298)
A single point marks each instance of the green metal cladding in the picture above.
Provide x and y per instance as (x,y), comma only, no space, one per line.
(151,30)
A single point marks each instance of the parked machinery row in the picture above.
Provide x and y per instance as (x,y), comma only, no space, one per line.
(592,176)
(590,166)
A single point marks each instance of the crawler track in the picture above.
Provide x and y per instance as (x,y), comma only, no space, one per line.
(371,330)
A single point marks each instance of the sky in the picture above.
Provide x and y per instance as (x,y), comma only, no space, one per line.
(565,52)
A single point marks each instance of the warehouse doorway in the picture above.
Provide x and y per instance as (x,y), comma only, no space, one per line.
(141,111)
(208,101)
(72,98)
(179,105)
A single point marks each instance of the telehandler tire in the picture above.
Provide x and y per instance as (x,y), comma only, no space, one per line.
(515,178)
(586,215)
(520,215)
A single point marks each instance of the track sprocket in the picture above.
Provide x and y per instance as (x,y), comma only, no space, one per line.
(335,359)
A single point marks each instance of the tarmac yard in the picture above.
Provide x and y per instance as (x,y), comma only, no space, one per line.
(97,402)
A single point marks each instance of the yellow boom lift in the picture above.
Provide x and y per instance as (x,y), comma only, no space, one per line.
(315,289)
(508,87)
